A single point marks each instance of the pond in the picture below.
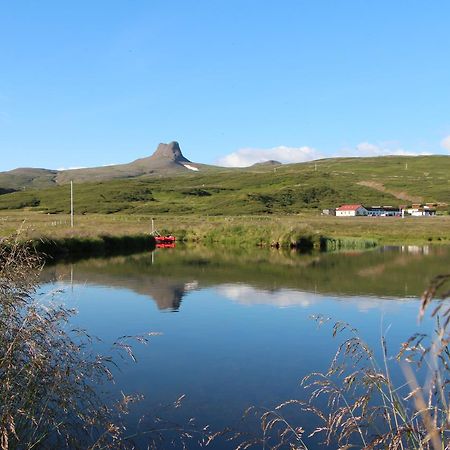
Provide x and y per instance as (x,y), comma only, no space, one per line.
(235,325)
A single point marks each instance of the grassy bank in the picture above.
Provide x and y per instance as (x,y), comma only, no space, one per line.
(359,232)
(82,247)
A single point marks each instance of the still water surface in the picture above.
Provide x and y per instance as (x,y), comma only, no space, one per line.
(236,327)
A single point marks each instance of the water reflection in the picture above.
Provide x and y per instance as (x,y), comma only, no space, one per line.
(285,298)
(262,277)
(243,335)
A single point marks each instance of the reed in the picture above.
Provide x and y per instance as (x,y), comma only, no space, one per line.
(53,386)
(348,243)
(49,374)
(46,398)
(365,407)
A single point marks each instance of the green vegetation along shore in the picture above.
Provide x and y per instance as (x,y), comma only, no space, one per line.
(77,247)
(356,232)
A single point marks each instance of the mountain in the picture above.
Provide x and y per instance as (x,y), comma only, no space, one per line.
(166,160)
(25,177)
(175,189)
(270,162)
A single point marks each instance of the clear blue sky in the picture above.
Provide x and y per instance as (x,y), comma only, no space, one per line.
(94,82)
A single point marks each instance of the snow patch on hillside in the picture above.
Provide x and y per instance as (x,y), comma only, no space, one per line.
(191,167)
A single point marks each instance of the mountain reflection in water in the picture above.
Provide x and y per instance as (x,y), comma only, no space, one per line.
(262,276)
(243,335)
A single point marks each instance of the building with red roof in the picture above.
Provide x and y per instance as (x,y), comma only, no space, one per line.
(351,211)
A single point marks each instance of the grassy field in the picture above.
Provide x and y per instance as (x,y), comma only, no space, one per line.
(244,230)
(258,205)
(286,189)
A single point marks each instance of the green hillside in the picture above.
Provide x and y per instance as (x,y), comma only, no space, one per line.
(256,190)
(26,178)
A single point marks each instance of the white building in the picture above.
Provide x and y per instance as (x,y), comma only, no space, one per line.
(384,211)
(421,211)
(351,211)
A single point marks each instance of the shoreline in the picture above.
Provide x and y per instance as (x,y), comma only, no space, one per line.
(76,248)
(114,234)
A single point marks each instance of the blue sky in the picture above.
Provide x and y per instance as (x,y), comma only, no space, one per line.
(86,83)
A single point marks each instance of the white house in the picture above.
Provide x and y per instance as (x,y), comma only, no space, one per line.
(421,211)
(351,211)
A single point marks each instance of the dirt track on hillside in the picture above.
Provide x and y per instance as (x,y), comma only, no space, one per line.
(398,194)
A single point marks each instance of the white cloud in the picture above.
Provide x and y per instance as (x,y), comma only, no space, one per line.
(85,167)
(70,168)
(247,156)
(283,298)
(369,149)
(445,143)
(248,295)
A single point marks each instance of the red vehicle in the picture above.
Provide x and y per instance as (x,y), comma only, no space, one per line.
(165,240)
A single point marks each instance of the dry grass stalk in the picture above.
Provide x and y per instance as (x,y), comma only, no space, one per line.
(49,375)
(365,409)
(46,372)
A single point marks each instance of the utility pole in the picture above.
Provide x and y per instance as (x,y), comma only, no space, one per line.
(71,203)
(153,225)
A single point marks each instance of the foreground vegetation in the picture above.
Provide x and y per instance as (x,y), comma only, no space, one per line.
(46,373)
(360,403)
(54,388)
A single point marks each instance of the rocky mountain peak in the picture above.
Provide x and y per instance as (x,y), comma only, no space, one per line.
(169,151)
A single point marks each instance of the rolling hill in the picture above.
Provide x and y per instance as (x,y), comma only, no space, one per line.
(166,160)
(163,184)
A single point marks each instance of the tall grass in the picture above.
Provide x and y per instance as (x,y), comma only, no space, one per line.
(335,244)
(51,380)
(46,395)
(250,230)
(359,403)
(49,374)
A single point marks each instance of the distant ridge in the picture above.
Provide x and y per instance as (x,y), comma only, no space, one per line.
(270,162)
(167,159)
